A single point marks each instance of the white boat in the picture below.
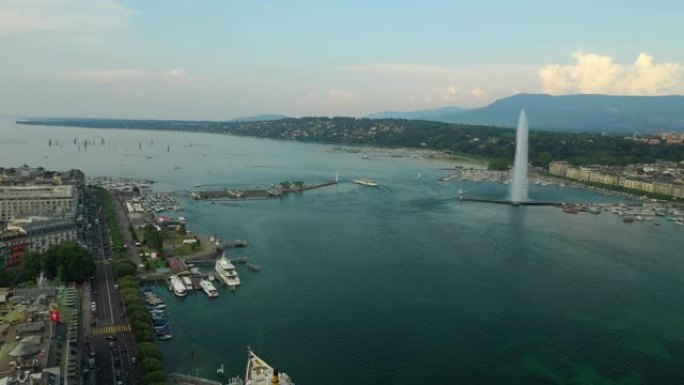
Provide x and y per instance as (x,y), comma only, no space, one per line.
(177,286)
(209,288)
(226,272)
(187,282)
(365,182)
(261,373)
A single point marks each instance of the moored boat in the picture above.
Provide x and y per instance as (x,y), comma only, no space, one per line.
(260,373)
(177,286)
(226,272)
(366,182)
(209,288)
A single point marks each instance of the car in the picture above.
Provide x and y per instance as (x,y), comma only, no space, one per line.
(134,360)
(91,353)
(112,338)
(94,323)
(116,286)
(111,344)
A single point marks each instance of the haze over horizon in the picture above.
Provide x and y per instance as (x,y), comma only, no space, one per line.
(219,60)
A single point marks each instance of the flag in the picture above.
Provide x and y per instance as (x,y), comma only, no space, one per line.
(54,315)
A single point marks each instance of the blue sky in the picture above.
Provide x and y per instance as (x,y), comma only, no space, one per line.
(208,59)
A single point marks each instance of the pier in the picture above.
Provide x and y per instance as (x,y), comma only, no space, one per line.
(247,194)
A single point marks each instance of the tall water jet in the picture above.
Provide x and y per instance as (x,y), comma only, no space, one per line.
(519,182)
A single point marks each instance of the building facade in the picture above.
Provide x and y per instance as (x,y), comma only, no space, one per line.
(18,201)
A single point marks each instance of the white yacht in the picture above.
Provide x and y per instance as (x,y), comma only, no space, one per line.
(261,373)
(209,288)
(187,282)
(226,272)
(365,182)
(177,286)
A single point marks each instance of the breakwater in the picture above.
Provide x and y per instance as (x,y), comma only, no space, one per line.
(268,193)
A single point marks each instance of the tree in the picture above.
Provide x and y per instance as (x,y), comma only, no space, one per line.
(124,267)
(69,262)
(298,183)
(149,350)
(543,160)
(31,266)
(153,238)
(499,164)
(151,364)
(286,185)
(154,377)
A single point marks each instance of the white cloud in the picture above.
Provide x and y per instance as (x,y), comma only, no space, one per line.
(115,76)
(601,74)
(78,17)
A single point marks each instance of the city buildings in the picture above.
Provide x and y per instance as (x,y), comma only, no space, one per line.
(663,178)
(38,209)
(16,201)
(40,335)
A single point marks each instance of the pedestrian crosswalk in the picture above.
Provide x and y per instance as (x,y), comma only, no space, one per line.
(111,329)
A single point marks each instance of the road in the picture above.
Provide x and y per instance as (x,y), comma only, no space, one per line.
(106,318)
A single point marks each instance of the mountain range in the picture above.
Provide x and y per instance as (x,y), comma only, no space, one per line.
(586,112)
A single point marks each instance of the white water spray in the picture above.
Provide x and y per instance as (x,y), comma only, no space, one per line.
(519,182)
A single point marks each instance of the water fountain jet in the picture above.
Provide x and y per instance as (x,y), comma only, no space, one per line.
(518,192)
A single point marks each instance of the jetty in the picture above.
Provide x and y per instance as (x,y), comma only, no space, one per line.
(267,193)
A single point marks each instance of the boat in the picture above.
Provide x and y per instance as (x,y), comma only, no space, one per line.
(164,337)
(187,282)
(177,286)
(239,243)
(366,182)
(208,288)
(260,373)
(160,306)
(226,272)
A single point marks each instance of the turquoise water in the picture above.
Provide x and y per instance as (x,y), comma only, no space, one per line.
(400,284)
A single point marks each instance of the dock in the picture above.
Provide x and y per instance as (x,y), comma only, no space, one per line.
(255,194)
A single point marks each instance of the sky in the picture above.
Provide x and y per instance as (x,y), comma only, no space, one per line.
(221,59)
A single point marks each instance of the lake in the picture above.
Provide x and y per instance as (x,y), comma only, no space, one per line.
(401,284)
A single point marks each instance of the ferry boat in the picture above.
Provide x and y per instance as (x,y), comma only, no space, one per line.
(226,272)
(366,182)
(260,373)
(177,286)
(209,288)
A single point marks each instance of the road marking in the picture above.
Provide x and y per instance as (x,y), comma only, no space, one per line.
(109,296)
(111,329)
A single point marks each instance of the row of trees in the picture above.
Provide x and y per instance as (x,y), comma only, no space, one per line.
(149,355)
(112,224)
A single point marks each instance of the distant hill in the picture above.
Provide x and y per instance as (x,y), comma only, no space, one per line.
(260,118)
(592,113)
(437,114)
